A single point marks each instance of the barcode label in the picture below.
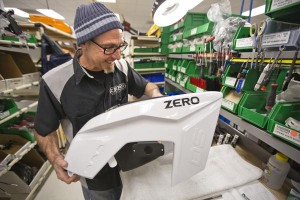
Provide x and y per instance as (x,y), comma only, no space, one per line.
(276,38)
(192,48)
(227,104)
(281,3)
(230,81)
(193,31)
(4,114)
(244,42)
(287,133)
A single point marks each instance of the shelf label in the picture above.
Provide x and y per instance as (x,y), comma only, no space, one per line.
(287,133)
(4,114)
(230,81)
(182,83)
(227,104)
(199,90)
(244,42)
(166,65)
(282,3)
(174,49)
(276,38)
(183,69)
(193,48)
(173,78)
(174,37)
(175,26)
(194,31)
(159,50)
(174,67)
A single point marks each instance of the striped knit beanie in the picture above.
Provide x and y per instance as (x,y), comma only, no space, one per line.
(92,20)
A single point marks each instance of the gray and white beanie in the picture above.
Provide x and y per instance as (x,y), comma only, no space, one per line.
(92,20)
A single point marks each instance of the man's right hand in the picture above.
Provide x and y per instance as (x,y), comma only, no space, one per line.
(59,165)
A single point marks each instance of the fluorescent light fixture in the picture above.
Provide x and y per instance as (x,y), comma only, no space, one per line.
(51,13)
(107,1)
(255,11)
(18,12)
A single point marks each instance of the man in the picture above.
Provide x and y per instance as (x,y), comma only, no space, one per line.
(90,84)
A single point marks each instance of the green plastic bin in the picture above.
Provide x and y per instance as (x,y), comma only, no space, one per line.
(252,108)
(231,99)
(241,40)
(8,107)
(276,124)
(283,10)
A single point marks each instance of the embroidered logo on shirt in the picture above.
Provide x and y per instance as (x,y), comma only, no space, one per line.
(117,89)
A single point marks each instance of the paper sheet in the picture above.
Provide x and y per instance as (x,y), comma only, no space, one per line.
(224,170)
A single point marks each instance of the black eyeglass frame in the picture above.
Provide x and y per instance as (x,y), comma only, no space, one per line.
(124,45)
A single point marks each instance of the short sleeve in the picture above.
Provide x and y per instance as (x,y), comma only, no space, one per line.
(136,83)
(49,111)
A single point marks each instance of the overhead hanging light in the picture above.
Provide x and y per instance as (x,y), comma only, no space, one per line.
(167,12)
(18,12)
(255,11)
(107,1)
(50,13)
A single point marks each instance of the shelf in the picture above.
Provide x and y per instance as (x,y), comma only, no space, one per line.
(146,54)
(54,33)
(145,38)
(15,43)
(286,55)
(177,86)
(189,56)
(18,156)
(150,70)
(23,110)
(262,135)
(252,130)
(35,83)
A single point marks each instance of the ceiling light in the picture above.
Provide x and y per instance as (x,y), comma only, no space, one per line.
(255,11)
(51,13)
(18,12)
(107,1)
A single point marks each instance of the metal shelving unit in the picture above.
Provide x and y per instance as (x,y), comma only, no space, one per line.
(250,131)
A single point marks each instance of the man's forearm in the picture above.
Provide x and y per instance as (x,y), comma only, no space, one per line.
(49,145)
(152,90)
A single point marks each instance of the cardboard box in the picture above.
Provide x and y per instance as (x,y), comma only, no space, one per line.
(32,159)
(23,61)
(8,67)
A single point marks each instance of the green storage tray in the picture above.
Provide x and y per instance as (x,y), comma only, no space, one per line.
(283,10)
(190,86)
(143,50)
(196,31)
(175,38)
(193,19)
(163,49)
(10,38)
(230,75)
(9,108)
(175,50)
(6,129)
(140,65)
(231,100)
(169,63)
(164,38)
(165,30)
(158,64)
(191,69)
(276,124)
(176,26)
(252,108)
(241,40)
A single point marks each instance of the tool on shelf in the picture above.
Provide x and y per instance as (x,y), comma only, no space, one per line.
(272,67)
(291,70)
(271,97)
(256,33)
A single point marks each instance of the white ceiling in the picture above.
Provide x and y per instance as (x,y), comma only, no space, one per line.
(136,12)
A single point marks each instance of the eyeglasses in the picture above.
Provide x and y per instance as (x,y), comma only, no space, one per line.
(111,50)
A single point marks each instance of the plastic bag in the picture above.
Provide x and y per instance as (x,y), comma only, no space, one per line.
(219,11)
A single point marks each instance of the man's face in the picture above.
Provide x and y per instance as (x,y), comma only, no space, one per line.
(103,50)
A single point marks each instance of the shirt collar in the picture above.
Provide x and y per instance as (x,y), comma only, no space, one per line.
(79,71)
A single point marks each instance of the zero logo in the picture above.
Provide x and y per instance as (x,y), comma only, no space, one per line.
(181,102)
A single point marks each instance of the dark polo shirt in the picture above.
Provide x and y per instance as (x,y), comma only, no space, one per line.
(72,95)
